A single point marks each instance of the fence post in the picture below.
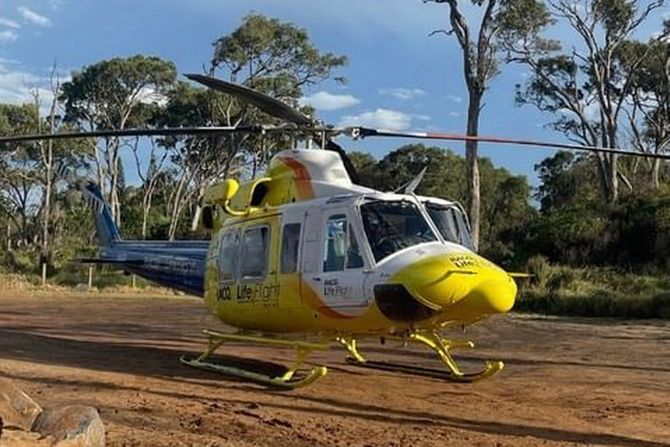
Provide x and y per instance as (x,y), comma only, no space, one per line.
(44,274)
(90,277)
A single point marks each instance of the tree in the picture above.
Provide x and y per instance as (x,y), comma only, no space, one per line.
(115,94)
(200,160)
(366,167)
(275,58)
(480,64)
(586,89)
(47,161)
(19,170)
(444,177)
(567,181)
(265,54)
(648,111)
(150,177)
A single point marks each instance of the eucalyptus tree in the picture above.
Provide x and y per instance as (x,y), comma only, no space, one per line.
(115,94)
(477,27)
(585,89)
(268,55)
(276,58)
(648,111)
(200,160)
(19,171)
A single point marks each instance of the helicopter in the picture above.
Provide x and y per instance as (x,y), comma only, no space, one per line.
(304,257)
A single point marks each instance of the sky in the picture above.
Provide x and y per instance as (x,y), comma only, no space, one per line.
(398,76)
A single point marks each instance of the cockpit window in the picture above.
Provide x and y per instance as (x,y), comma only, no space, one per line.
(391,226)
(451,223)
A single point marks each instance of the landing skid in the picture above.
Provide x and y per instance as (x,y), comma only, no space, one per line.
(491,368)
(289,380)
(438,344)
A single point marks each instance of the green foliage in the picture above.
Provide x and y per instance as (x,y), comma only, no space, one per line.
(109,94)
(366,167)
(595,292)
(275,57)
(572,235)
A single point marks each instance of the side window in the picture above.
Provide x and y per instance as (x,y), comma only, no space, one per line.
(335,251)
(228,254)
(354,258)
(341,248)
(290,242)
(254,259)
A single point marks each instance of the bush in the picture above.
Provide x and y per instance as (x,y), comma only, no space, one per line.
(594,292)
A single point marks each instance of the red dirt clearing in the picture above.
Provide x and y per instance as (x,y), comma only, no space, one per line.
(567,381)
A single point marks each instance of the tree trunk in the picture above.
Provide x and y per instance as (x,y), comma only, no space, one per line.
(472,166)
(198,207)
(146,202)
(655,173)
(196,218)
(48,180)
(176,206)
(613,193)
(607,172)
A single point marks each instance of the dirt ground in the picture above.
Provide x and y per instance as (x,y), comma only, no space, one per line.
(566,382)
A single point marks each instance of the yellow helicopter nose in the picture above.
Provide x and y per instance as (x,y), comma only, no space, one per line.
(491,296)
(463,287)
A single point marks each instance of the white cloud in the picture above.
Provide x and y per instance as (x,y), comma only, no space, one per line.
(454,114)
(8,36)
(381,118)
(16,86)
(420,117)
(31,16)
(455,98)
(402,93)
(4,21)
(329,101)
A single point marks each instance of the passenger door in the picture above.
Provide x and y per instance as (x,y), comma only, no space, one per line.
(338,273)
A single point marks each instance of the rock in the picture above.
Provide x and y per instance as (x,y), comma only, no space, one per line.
(16,438)
(17,409)
(72,426)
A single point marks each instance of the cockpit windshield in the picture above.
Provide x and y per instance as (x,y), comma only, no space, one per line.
(451,223)
(391,226)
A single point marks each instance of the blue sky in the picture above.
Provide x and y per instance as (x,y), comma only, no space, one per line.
(398,76)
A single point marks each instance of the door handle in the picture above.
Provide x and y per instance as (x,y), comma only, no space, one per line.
(316,278)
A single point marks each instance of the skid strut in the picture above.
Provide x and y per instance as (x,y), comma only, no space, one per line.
(438,344)
(288,380)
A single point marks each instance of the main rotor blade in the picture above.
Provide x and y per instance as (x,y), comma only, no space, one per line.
(266,103)
(132,133)
(363,132)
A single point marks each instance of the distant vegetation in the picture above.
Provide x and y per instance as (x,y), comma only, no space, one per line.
(596,231)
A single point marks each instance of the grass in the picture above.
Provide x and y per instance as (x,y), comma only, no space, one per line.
(593,292)
(75,283)
(553,290)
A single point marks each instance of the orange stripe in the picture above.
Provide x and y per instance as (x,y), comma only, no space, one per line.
(303,181)
(314,301)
